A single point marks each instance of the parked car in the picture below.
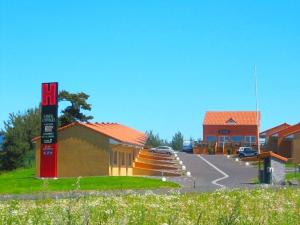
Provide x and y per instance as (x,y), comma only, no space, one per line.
(163,150)
(187,146)
(247,152)
(241,149)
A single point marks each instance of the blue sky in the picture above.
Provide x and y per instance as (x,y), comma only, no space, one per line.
(154,64)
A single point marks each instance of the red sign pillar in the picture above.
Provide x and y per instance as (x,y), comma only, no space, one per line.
(48,156)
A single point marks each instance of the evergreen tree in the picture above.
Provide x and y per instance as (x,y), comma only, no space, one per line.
(19,129)
(177,141)
(73,112)
(17,148)
(154,140)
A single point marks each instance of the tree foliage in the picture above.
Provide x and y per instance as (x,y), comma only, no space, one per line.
(73,112)
(20,128)
(177,141)
(18,131)
(154,140)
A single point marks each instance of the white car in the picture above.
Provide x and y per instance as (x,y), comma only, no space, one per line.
(163,150)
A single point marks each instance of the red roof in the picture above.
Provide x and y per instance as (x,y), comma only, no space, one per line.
(115,131)
(119,132)
(288,131)
(272,155)
(274,130)
(231,118)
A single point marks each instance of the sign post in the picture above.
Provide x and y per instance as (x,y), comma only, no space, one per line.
(48,159)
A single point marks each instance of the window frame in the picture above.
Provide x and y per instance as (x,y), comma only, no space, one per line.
(115,158)
(211,136)
(129,159)
(123,159)
(236,136)
(226,139)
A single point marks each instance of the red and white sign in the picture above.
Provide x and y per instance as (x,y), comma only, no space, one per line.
(48,159)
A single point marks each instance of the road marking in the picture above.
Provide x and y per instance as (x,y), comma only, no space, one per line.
(216,168)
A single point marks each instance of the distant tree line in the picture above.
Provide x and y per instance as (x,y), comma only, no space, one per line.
(154,140)
(21,128)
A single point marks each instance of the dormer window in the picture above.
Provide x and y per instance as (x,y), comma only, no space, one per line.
(231,122)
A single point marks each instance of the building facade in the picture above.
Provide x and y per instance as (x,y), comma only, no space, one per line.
(283,140)
(95,149)
(230,130)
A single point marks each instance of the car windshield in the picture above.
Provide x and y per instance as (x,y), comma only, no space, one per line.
(249,150)
(187,144)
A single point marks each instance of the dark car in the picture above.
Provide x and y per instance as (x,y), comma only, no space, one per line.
(248,152)
(187,147)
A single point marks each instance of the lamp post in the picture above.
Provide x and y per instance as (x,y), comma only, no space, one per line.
(257,113)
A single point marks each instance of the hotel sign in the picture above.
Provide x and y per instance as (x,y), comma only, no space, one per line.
(48,162)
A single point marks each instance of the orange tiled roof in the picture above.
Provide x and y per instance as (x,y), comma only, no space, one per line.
(119,132)
(274,130)
(115,131)
(231,118)
(289,131)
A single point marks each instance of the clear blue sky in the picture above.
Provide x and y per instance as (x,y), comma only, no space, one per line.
(154,64)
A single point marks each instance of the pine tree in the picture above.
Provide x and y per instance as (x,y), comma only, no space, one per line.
(73,112)
(17,148)
(177,141)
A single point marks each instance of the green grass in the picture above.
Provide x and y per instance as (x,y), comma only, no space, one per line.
(23,181)
(293,175)
(237,207)
(291,165)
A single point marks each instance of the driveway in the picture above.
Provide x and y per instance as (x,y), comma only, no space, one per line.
(210,172)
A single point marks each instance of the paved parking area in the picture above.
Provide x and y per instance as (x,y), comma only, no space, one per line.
(206,170)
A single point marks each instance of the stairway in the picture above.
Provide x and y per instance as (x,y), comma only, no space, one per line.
(154,164)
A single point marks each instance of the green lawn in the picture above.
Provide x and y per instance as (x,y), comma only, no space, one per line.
(24,181)
(293,175)
(291,165)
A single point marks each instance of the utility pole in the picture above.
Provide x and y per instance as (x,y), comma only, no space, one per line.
(257,113)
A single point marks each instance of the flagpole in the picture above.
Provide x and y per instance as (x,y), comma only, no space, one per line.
(257,113)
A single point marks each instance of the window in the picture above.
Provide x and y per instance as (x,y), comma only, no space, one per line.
(237,139)
(115,156)
(224,139)
(231,122)
(250,139)
(129,159)
(247,150)
(111,158)
(211,138)
(122,158)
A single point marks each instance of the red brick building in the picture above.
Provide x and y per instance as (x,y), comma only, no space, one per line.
(235,129)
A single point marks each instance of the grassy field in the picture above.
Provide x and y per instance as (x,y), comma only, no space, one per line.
(291,165)
(260,206)
(291,176)
(24,181)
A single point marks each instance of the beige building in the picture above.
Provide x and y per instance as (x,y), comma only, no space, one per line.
(95,149)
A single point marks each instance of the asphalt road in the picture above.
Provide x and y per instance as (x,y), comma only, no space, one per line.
(208,168)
